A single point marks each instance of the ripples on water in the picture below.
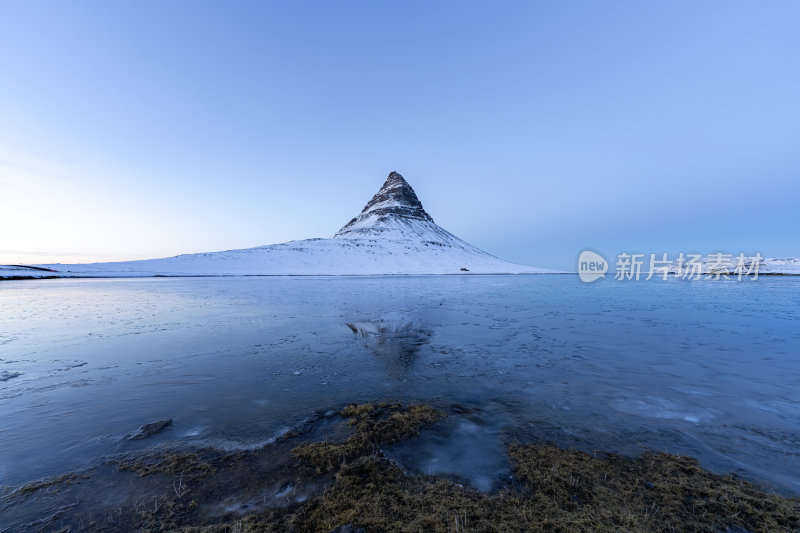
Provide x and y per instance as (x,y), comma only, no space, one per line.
(706,368)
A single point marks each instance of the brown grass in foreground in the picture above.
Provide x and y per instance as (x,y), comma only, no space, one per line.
(560,490)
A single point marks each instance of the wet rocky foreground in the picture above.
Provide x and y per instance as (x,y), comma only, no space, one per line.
(335,472)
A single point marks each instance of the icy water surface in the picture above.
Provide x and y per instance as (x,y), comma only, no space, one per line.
(707,368)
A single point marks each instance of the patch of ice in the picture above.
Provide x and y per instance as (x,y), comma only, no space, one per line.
(654,407)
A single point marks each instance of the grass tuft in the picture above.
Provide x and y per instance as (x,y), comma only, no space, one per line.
(188,464)
(372,426)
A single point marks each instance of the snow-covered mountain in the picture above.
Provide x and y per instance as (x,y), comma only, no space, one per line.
(392,235)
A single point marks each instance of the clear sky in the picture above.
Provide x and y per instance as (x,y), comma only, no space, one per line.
(530,129)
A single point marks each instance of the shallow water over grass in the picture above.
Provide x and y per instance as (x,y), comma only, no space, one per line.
(709,369)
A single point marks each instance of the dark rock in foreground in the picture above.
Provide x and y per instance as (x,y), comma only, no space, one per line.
(148,430)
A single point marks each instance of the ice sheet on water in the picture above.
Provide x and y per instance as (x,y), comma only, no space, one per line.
(654,407)
(669,366)
(470,447)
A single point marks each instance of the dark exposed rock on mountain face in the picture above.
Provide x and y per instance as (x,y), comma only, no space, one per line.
(395,200)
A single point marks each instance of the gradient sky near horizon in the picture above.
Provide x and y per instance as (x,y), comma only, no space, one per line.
(533,130)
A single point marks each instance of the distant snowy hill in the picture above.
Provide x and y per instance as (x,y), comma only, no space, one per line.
(777,265)
(728,266)
(392,235)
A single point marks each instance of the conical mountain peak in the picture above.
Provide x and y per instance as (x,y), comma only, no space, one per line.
(395,200)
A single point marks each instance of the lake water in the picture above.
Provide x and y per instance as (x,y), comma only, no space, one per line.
(709,369)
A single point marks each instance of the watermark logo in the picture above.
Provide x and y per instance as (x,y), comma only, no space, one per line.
(591,266)
(636,266)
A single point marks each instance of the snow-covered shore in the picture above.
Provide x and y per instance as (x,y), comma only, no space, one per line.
(308,257)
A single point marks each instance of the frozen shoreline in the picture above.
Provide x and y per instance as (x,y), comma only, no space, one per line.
(333,472)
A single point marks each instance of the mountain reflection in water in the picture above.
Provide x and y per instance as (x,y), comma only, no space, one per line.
(395,338)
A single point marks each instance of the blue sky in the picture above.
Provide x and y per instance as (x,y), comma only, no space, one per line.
(530,129)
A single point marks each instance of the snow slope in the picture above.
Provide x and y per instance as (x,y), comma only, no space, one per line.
(392,235)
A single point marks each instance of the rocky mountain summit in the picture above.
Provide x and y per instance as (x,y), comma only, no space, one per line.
(396,214)
(396,200)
